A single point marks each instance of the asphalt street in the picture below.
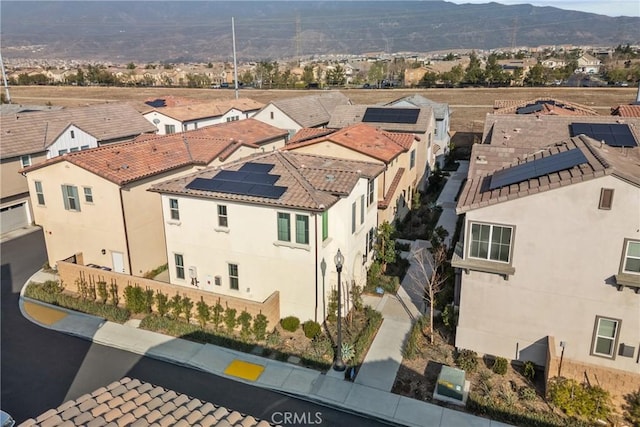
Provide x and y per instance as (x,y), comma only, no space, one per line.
(40,368)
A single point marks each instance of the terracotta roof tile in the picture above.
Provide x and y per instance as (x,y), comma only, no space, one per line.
(27,133)
(626,111)
(373,142)
(312,182)
(384,204)
(203,110)
(305,134)
(550,106)
(173,101)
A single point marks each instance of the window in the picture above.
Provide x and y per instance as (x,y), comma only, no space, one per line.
(84,147)
(271,115)
(169,129)
(632,258)
(362,209)
(302,229)
(284,230)
(70,198)
(370,192)
(429,143)
(173,207)
(74,149)
(605,337)
(234,282)
(179,265)
(73,135)
(372,238)
(222,216)
(325,225)
(412,159)
(61,152)
(606,198)
(39,193)
(25,160)
(490,242)
(353,217)
(88,195)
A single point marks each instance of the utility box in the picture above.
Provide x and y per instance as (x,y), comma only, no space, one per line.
(452,386)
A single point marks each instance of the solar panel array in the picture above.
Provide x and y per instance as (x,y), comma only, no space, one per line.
(614,134)
(157,103)
(536,168)
(391,115)
(532,108)
(252,179)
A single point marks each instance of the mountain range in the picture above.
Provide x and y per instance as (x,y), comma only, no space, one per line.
(182,31)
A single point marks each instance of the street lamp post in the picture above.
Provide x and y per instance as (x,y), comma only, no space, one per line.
(338,363)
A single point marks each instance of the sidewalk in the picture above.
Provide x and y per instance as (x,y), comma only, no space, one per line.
(447,200)
(330,388)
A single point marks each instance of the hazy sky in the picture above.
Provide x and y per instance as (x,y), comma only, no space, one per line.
(603,7)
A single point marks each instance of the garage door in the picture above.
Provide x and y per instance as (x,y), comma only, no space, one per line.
(13,217)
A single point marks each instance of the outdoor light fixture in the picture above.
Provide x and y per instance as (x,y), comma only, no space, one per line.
(103,251)
(338,363)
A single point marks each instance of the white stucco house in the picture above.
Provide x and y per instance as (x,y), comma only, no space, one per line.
(271,222)
(549,262)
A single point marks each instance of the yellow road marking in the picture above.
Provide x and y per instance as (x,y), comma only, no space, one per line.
(43,314)
(245,370)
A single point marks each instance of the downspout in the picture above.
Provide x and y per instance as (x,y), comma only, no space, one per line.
(315,313)
(126,235)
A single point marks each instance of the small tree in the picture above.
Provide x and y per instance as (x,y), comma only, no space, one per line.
(428,277)
(176,306)
(230,320)
(187,306)
(244,319)
(260,326)
(162,303)
(102,291)
(113,292)
(385,245)
(216,314)
(148,300)
(204,313)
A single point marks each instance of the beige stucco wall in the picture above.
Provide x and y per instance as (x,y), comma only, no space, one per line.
(266,265)
(13,183)
(565,254)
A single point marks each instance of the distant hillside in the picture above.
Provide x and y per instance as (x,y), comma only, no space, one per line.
(201,30)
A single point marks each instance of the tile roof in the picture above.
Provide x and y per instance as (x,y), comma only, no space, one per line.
(313,110)
(305,134)
(33,132)
(601,160)
(384,204)
(530,130)
(209,109)
(19,108)
(130,401)
(549,106)
(151,155)
(440,109)
(363,138)
(346,115)
(171,101)
(313,182)
(626,111)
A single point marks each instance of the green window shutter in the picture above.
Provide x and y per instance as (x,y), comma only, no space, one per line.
(325,225)
(65,198)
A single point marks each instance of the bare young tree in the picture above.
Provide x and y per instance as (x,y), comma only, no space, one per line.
(428,277)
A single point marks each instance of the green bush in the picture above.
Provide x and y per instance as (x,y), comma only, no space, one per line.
(113,293)
(632,408)
(102,292)
(148,300)
(578,400)
(230,320)
(290,323)
(203,313)
(176,306)
(412,347)
(363,340)
(450,317)
(260,326)
(529,370)
(187,306)
(500,365)
(134,299)
(46,292)
(466,360)
(527,393)
(216,315)
(332,306)
(162,303)
(244,319)
(311,329)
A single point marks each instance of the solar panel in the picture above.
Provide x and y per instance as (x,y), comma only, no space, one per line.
(613,134)
(268,191)
(256,167)
(239,176)
(536,168)
(203,184)
(156,103)
(529,109)
(391,115)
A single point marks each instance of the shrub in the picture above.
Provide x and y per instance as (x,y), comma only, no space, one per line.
(216,315)
(363,340)
(273,339)
(450,317)
(113,292)
(148,300)
(332,306)
(153,273)
(632,407)
(500,365)
(527,393)
(102,292)
(245,324)
(290,323)
(134,299)
(187,306)
(260,326)
(574,399)
(176,306)
(412,347)
(46,292)
(347,352)
(466,360)
(162,303)
(311,329)
(204,313)
(529,370)
(230,320)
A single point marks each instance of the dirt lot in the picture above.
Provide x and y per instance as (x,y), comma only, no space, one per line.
(469,105)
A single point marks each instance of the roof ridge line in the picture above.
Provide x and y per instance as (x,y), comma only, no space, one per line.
(295,172)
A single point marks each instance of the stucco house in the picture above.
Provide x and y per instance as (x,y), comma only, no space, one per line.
(293,114)
(588,64)
(30,137)
(542,106)
(399,153)
(96,201)
(285,213)
(182,118)
(442,130)
(549,259)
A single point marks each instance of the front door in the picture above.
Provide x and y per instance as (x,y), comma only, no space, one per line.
(118,261)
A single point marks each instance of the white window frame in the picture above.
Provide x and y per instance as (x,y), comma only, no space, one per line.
(25,160)
(234,276)
(223,219)
(626,257)
(489,242)
(612,339)
(70,197)
(412,159)
(88,196)
(174,211)
(179,265)
(370,191)
(39,193)
(169,129)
